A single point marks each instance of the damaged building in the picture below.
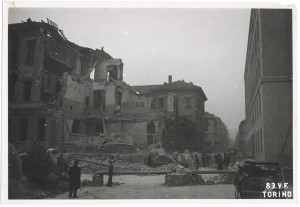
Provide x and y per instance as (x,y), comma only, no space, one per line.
(61,93)
(51,94)
(177,109)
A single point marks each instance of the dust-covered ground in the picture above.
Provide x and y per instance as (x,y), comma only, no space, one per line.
(151,187)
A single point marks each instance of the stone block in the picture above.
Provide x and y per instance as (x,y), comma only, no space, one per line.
(97,180)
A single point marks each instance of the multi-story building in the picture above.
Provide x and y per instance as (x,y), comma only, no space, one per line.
(216,134)
(50,91)
(268,86)
(180,101)
(239,142)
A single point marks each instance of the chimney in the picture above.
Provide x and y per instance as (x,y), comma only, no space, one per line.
(170,79)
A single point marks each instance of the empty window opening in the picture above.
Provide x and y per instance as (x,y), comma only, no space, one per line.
(175,106)
(98,129)
(23,129)
(87,103)
(27,90)
(112,73)
(76,127)
(30,45)
(188,102)
(41,130)
(12,79)
(153,103)
(98,98)
(161,103)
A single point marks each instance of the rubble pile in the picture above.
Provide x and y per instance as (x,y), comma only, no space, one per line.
(220,179)
(227,178)
(85,140)
(96,181)
(183,180)
(122,165)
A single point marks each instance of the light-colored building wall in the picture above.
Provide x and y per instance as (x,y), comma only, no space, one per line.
(268,85)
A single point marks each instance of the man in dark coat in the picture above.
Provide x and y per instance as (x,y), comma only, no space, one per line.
(203,160)
(197,162)
(74,174)
(111,162)
(219,162)
(226,160)
(207,159)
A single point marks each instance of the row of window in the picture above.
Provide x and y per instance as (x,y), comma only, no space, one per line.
(257,142)
(133,104)
(23,129)
(30,45)
(254,73)
(188,102)
(256,110)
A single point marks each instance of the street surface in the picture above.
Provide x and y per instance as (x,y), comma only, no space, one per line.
(151,187)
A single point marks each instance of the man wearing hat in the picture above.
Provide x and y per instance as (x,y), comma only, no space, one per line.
(74,174)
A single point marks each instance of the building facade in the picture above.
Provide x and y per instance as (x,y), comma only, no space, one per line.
(268,86)
(239,142)
(51,94)
(216,134)
(176,106)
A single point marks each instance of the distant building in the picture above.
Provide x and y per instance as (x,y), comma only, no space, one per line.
(216,134)
(176,103)
(268,86)
(240,138)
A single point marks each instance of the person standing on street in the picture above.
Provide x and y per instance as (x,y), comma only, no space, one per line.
(111,162)
(220,162)
(203,160)
(207,159)
(74,174)
(197,162)
(60,163)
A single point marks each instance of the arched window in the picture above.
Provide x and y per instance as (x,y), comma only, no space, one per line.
(76,127)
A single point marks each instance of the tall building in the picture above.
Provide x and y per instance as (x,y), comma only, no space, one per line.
(216,134)
(268,86)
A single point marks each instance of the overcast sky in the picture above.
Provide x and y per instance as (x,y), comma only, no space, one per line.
(204,46)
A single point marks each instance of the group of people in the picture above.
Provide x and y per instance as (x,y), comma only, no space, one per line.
(205,160)
(221,161)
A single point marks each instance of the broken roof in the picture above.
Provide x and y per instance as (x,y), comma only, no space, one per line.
(57,34)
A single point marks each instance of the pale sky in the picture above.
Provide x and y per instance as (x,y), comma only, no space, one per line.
(204,46)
